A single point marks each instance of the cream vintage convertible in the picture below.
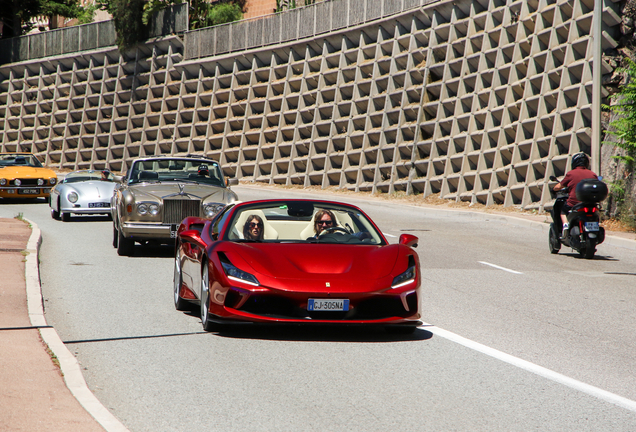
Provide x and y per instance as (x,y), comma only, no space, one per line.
(157,193)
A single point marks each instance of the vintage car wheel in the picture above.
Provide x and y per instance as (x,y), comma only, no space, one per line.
(55,214)
(115,236)
(179,303)
(205,300)
(124,245)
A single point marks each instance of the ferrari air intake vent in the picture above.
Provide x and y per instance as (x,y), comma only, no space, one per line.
(174,211)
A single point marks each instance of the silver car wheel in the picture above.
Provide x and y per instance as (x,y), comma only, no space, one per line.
(205,293)
(179,303)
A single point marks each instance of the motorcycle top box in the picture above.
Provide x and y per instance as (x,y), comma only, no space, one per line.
(591,190)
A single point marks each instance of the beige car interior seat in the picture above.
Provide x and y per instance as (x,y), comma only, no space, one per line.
(269,233)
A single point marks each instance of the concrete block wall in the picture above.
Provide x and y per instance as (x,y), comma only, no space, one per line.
(480,101)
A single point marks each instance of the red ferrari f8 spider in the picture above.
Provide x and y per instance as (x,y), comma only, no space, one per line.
(296,261)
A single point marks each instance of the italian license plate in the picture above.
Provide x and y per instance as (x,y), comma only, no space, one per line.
(591,226)
(328,305)
(173,231)
(28,191)
(99,205)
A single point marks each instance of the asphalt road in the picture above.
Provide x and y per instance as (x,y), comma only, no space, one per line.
(488,281)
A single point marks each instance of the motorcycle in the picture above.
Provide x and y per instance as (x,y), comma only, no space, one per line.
(584,231)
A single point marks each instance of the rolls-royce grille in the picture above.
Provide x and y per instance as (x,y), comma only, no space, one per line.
(174,211)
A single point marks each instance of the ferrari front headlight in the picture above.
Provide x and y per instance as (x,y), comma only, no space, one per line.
(17,182)
(53,181)
(73,197)
(236,274)
(40,182)
(3,182)
(210,210)
(405,278)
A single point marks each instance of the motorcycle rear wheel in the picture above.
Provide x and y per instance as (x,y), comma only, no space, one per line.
(589,250)
(553,241)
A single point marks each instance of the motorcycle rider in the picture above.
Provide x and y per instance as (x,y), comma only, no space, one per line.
(580,171)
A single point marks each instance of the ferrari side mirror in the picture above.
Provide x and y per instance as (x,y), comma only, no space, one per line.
(408,240)
(192,236)
(231,181)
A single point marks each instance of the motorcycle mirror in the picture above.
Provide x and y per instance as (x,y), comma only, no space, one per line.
(553,178)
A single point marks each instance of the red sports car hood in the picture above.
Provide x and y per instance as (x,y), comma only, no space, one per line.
(316,262)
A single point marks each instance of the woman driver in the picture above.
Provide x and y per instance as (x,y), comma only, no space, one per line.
(253,228)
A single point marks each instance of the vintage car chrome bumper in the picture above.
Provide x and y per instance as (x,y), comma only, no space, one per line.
(148,231)
(24,191)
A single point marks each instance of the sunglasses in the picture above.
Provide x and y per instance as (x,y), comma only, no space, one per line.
(324,222)
(255,225)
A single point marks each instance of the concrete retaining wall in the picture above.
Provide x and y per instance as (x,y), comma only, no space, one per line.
(478,101)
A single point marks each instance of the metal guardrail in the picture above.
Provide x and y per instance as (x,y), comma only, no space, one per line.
(86,36)
(290,25)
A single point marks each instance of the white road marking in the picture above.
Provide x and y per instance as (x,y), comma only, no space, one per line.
(500,268)
(535,369)
(388,235)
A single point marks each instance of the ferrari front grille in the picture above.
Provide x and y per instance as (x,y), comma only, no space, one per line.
(176,210)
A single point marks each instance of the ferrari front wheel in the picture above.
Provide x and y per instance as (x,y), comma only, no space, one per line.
(205,300)
(179,303)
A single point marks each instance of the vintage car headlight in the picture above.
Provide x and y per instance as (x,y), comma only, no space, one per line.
(405,278)
(147,209)
(237,274)
(17,182)
(40,182)
(3,182)
(53,181)
(210,210)
(73,197)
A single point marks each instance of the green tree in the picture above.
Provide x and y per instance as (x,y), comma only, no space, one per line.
(623,128)
(127,17)
(17,14)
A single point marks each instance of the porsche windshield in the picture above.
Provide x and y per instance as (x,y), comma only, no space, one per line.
(302,221)
(19,160)
(82,176)
(179,170)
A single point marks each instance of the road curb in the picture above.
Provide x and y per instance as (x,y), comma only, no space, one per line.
(68,363)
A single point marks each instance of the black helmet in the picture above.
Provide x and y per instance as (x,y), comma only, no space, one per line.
(580,159)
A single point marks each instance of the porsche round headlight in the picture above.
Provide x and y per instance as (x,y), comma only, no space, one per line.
(53,180)
(17,182)
(142,209)
(3,182)
(153,209)
(211,210)
(73,197)
(40,182)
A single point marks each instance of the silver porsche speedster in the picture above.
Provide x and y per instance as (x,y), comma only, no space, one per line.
(158,192)
(82,192)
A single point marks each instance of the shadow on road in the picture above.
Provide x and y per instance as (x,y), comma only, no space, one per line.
(312,333)
(320,333)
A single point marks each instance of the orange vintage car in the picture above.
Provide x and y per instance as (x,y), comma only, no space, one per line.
(23,176)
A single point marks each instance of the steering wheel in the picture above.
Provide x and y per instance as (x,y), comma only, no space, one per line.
(332,230)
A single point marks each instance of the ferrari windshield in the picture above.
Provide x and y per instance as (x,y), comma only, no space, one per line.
(13,159)
(302,221)
(179,170)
